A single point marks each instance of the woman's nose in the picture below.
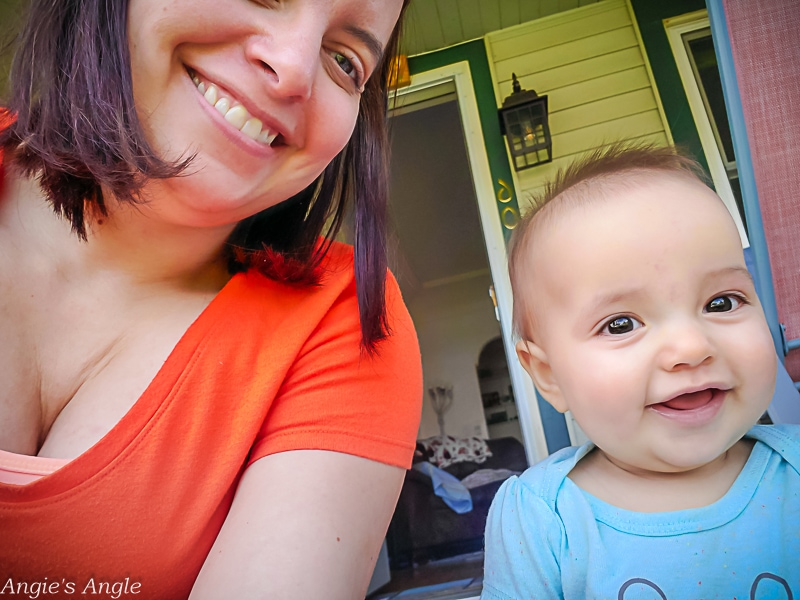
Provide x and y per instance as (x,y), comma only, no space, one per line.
(686,345)
(289,60)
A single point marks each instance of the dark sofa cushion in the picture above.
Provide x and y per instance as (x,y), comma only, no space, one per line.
(424,527)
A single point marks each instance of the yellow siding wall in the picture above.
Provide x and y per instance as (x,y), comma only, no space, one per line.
(591,64)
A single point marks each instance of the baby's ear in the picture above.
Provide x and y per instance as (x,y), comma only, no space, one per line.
(535,362)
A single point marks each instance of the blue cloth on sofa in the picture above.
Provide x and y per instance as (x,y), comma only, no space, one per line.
(447,487)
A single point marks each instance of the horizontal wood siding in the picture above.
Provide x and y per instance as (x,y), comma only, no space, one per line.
(590,63)
(526,39)
(434,24)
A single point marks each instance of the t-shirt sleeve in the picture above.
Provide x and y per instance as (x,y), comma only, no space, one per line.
(338,397)
(523,542)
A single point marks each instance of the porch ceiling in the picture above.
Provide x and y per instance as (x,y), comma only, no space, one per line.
(435,24)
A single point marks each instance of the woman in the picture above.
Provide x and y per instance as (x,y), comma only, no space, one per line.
(198,395)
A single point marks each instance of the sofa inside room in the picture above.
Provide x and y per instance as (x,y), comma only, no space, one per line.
(424,527)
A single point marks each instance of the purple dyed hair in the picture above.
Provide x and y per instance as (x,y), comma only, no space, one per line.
(77,129)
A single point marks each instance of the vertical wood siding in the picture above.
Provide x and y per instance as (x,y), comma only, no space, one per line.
(591,64)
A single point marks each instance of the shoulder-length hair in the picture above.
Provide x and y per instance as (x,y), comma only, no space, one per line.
(76,128)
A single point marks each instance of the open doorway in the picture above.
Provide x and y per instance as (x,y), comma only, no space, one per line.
(497,393)
(441,261)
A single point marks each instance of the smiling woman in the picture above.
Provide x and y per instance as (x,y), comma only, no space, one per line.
(202,393)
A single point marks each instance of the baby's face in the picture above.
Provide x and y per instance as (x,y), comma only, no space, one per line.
(649,324)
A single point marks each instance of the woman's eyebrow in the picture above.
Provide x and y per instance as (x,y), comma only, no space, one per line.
(373,45)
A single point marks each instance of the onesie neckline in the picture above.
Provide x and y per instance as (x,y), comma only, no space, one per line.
(671,523)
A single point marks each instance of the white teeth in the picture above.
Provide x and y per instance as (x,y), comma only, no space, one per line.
(265,137)
(237,115)
(251,128)
(222,105)
(210,94)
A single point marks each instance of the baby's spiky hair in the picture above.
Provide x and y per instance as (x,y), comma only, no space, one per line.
(592,177)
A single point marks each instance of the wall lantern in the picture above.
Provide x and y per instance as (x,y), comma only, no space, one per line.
(399,75)
(523,120)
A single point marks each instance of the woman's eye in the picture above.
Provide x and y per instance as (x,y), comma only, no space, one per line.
(619,325)
(346,65)
(721,304)
(343,62)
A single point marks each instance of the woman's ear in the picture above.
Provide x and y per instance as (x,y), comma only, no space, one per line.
(535,362)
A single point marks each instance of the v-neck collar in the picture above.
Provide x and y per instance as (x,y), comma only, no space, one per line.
(115,444)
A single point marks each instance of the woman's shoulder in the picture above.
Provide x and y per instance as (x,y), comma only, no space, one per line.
(334,274)
(253,305)
(340,251)
(335,283)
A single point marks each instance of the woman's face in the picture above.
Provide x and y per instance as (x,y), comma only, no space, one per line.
(264,93)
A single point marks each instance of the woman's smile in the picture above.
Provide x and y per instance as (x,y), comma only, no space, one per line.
(234,112)
(257,136)
(273,113)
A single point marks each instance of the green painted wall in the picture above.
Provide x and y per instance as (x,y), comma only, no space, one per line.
(650,17)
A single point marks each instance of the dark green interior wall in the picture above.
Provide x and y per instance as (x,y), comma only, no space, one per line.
(475,54)
(650,17)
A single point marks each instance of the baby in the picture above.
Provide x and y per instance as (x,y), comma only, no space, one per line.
(635,312)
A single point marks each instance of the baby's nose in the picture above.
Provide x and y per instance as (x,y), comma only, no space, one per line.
(686,345)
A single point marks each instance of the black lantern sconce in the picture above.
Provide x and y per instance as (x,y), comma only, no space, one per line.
(523,120)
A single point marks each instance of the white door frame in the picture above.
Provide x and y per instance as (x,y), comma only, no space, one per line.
(676,27)
(459,73)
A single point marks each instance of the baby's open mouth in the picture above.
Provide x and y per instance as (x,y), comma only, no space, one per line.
(691,400)
(696,408)
(235,114)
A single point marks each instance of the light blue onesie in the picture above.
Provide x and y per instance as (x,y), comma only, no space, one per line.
(546,538)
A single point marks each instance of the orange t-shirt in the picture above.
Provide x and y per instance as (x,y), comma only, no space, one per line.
(266,368)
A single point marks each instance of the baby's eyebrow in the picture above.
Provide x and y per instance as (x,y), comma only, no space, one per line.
(737,270)
(604,299)
(609,298)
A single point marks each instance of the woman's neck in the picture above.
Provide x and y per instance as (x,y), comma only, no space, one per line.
(131,242)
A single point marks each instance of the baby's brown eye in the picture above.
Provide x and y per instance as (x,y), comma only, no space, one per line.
(621,325)
(722,304)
